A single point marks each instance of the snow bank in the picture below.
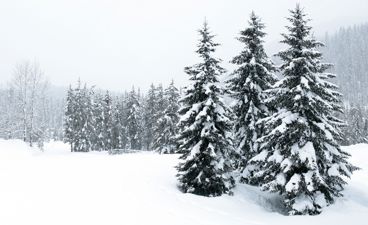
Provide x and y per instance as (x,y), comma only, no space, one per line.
(59,187)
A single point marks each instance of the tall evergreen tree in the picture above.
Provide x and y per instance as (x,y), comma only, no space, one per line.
(161,102)
(119,133)
(79,119)
(254,75)
(69,119)
(107,122)
(133,121)
(300,157)
(98,135)
(166,128)
(205,127)
(85,119)
(149,116)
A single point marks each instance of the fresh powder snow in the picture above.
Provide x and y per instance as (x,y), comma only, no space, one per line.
(59,187)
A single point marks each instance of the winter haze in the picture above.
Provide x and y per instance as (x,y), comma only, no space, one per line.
(183,112)
(117,43)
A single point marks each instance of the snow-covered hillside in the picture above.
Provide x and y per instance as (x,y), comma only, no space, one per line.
(59,187)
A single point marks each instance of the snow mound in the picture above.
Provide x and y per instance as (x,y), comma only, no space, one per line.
(59,187)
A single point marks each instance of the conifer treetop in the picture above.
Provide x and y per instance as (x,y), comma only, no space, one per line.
(210,66)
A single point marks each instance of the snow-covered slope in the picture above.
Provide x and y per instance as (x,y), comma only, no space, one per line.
(59,187)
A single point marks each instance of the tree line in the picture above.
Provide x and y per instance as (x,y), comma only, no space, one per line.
(99,121)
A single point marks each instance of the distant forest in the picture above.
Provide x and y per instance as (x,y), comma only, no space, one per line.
(347,49)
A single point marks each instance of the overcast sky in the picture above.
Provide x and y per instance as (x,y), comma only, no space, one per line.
(115,44)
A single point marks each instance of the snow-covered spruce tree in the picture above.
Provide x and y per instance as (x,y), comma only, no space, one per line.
(161,103)
(77,121)
(300,157)
(85,120)
(149,117)
(69,119)
(205,127)
(254,74)
(107,121)
(166,128)
(97,137)
(133,121)
(119,133)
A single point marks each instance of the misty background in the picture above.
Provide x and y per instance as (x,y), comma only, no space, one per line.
(46,46)
(116,44)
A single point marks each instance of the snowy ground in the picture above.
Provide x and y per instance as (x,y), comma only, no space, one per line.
(59,187)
